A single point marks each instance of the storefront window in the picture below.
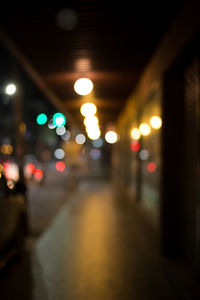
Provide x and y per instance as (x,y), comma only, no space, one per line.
(150,123)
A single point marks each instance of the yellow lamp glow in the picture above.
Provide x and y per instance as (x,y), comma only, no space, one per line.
(145,129)
(135,134)
(91,121)
(88,109)
(156,122)
(94,133)
(83,86)
(111,137)
(92,128)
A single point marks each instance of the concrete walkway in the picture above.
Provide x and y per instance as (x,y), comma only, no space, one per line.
(100,248)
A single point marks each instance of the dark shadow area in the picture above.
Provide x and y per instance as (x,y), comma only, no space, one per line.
(16,279)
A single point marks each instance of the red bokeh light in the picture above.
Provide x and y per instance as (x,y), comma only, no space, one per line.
(151,167)
(60,166)
(30,168)
(135,146)
(38,174)
(7,170)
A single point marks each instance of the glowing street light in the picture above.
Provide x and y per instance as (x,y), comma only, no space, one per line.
(111,137)
(156,122)
(93,132)
(145,129)
(10,89)
(91,121)
(88,109)
(59,119)
(135,133)
(83,86)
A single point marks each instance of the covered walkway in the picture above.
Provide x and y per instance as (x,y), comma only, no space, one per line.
(100,247)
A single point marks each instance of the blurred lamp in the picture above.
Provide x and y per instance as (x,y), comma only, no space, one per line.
(144,154)
(41,119)
(80,139)
(60,166)
(111,137)
(135,134)
(59,153)
(88,109)
(59,119)
(145,129)
(50,124)
(10,89)
(93,133)
(156,122)
(97,143)
(60,130)
(83,86)
(135,146)
(91,121)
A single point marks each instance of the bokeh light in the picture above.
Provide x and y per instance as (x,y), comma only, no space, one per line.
(83,86)
(30,168)
(51,125)
(38,174)
(6,149)
(135,146)
(145,129)
(11,171)
(59,153)
(97,143)
(59,119)
(66,136)
(60,130)
(95,154)
(111,137)
(144,154)
(60,166)
(156,122)
(80,139)
(91,121)
(88,109)
(135,133)
(94,133)
(41,119)
(151,167)
(10,89)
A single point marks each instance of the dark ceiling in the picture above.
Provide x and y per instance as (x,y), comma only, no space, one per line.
(108,41)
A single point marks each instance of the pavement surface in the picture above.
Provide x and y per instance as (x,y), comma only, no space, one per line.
(95,247)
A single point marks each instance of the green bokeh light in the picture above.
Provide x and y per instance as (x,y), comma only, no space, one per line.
(41,119)
(59,119)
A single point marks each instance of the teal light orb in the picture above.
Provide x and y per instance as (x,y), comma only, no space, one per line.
(41,119)
(59,119)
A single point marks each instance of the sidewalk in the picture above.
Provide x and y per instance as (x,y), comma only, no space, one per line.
(99,248)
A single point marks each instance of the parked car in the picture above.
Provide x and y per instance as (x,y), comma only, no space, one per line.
(13,218)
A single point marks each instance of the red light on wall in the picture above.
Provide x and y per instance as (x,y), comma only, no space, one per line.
(60,166)
(38,174)
(135,146)
(30,168)
(151,167)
